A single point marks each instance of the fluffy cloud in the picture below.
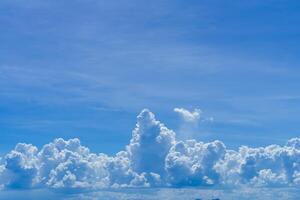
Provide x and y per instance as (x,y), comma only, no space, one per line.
(188,116)
(152,158)
(191,163)
(150,144)
(21,167)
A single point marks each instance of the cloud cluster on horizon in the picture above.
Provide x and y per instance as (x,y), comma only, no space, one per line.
(153,158)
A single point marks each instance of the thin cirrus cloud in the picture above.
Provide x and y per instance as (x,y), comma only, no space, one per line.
(153,158)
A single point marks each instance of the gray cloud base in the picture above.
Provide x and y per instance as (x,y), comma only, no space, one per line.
(153,158)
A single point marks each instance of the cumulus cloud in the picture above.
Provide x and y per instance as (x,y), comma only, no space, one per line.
(189,116)
(150,144)
(189,126)
(191,163)
(152,158)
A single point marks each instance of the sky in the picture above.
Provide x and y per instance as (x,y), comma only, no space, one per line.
(86,69)
(110,95)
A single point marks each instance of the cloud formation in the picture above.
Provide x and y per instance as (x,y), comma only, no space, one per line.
(153,158)
(188,116)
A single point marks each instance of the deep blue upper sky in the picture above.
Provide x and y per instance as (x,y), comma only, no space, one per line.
(85,68)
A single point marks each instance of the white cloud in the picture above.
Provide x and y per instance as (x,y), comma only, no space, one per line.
(152,158)
(188,116)
(150,144)
(21,167)
(191,163)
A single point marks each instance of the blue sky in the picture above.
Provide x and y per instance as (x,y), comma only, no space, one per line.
(87,68)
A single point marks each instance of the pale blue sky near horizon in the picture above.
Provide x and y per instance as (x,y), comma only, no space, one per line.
(87,68)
